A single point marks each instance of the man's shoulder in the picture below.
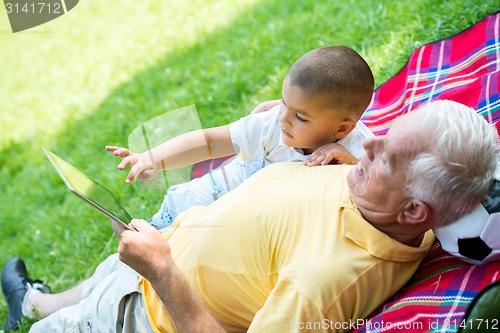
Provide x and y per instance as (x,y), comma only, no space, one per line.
(298,168)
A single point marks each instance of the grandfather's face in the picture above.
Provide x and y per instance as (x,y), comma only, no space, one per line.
(377,184)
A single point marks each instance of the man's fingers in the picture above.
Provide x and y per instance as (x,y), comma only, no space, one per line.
(142,225)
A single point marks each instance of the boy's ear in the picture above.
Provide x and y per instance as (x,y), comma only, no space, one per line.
(415,212)
(345,128)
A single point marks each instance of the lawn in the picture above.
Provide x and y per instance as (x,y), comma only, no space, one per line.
(92,76)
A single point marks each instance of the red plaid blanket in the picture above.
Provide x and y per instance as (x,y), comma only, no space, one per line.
(464,68)
(436,298)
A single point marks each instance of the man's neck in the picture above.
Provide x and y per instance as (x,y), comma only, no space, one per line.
(408,234)
(409,239)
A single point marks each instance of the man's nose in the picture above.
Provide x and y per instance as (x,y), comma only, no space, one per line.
(369,145)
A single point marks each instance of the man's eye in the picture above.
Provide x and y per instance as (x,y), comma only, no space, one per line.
(384,160)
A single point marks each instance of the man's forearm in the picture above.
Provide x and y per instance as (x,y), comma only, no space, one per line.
(187,311)
(147,252)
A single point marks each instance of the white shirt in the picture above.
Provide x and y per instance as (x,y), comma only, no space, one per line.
(259,135)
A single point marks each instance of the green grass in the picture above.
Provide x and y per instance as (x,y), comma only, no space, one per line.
(90,77)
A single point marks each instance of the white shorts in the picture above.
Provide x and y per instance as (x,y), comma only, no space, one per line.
(111,302)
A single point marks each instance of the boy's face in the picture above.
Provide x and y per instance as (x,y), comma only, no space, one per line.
(305,123)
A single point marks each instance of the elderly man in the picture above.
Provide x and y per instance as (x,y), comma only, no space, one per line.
(294,248)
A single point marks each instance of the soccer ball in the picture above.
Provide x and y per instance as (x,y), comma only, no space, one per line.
(475,238)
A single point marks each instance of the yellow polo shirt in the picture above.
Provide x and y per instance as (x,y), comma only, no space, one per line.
(287,251)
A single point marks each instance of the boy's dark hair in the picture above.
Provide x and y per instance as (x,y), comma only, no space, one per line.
(338,73)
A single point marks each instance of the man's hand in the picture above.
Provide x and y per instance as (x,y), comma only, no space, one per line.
(331,153)
(148,253)
(145,250)
(141,166)
(266,106)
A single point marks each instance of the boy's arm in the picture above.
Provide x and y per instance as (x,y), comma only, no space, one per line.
(185,149)
(331,152)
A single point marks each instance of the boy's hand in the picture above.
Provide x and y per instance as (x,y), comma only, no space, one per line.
(331,153)
(140,166)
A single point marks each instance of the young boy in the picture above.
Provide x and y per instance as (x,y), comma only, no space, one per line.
(324,95)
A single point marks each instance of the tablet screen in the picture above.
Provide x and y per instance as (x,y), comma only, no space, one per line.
(89,190)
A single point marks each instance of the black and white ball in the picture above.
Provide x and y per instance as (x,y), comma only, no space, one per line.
(475,238)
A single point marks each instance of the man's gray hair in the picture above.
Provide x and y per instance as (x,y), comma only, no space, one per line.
(457,172)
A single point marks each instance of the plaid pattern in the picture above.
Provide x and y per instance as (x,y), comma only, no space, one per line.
(463,68)
(436,298)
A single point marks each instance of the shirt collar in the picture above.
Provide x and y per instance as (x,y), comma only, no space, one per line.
(377,243)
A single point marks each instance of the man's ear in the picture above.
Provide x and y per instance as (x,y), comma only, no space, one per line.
(415,212)
(345,128)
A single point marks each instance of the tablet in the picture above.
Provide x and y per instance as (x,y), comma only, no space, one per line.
(90,191)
